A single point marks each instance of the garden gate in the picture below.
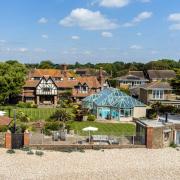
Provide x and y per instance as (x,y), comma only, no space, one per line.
(17,140)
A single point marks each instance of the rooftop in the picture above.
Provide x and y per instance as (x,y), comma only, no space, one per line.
(112,97)
(161,74)
(157,85)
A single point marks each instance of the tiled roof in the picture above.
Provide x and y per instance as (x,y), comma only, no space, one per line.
(5,121)
(48,72)
(31,83)
(66,83)
(90,71)
(29,94)
(91,81)
(161,74)
(133,75)
(137,73)
(157,85)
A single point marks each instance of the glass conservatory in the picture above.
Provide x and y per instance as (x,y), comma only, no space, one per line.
(111,103)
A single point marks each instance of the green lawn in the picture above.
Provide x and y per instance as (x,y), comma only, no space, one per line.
(104,128)
(35,113)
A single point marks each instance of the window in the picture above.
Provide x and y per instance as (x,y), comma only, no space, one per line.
(158,94)
(37,78)
(71,78)
(126,112)
(45,89)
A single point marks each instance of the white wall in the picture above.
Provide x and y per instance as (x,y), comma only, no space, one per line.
(139,112)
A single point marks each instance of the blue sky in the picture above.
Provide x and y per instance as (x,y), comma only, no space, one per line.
(66,31)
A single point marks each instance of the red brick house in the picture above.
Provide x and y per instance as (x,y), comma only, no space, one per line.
(45,86)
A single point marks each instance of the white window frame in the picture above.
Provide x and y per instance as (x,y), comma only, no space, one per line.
(157,94)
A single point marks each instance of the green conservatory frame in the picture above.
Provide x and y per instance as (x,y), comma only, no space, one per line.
(111,103)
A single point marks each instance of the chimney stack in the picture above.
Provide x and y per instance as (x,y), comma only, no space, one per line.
(100,78)
(64,69)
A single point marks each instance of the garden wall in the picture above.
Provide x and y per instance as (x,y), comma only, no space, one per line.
(96,147)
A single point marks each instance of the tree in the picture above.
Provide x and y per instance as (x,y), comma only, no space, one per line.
(62,114)
(46,65)
(12,78)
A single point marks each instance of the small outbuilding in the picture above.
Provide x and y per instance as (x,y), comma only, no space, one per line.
(159,133)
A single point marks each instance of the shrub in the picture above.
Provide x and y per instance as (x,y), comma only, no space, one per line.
(25,148)
(30,152)
(22,117)
(26,105)
(3,128)
(91,117)
(39,153)
(62,114)
(52,126)
(10,151)
(173,145)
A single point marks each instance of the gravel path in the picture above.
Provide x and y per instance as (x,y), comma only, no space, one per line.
(111,164)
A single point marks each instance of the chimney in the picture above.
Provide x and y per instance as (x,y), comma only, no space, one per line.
(64,69)
(100,78)
(100,72)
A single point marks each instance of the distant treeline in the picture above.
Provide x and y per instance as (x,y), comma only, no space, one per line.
(115,69)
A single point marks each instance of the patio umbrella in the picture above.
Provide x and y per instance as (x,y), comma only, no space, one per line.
(89,129)
(2,113)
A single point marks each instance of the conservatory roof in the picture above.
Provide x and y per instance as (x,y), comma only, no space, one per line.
(114,98)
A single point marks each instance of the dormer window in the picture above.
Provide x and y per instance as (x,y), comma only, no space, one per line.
(71,78)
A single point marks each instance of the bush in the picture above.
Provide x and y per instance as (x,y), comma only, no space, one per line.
(3,128)
(22,117)
(30,152)
(52,126)
(39,153)
(151,113)
(26,105)
(10,151)
(173,145)
(25,148)
(91,117)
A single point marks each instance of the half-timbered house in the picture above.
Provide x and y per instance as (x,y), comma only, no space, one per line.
(45,86)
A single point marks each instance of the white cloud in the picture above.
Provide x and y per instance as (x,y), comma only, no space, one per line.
(145,1)
(175,27)
(174,17)
(107,34)
(139,18)
(21,50)
(154,52)
(114,3)
(87,52)
(88,20)
(45,36)
(139,34)
(75,37)
(3,41)
(39,50)
(136,47)
(43,20)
